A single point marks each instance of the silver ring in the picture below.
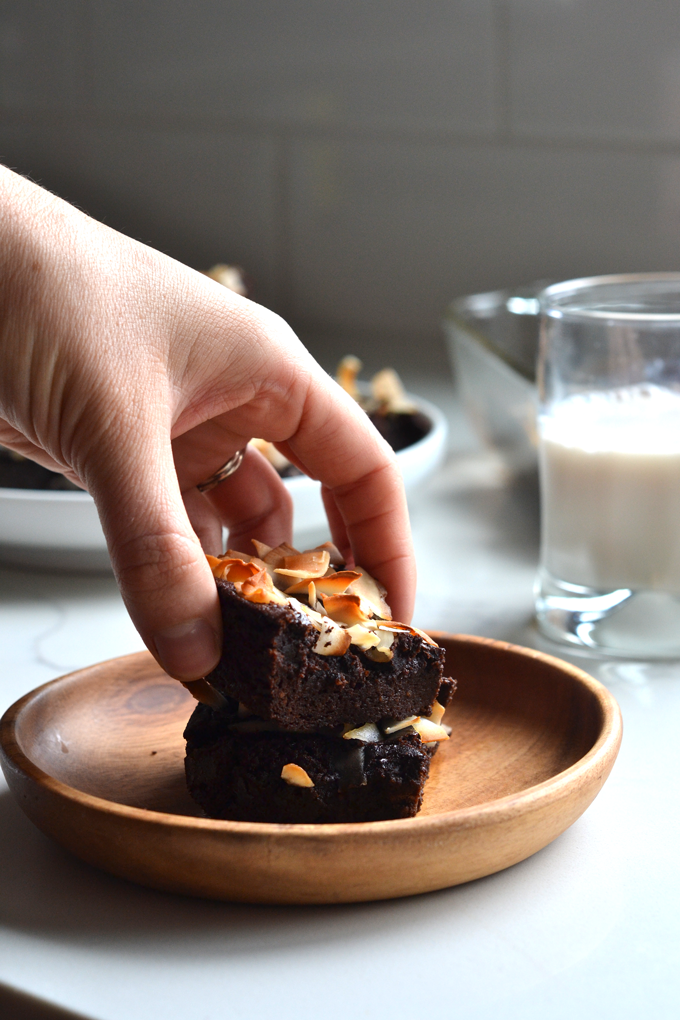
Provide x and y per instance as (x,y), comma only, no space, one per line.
(233,464)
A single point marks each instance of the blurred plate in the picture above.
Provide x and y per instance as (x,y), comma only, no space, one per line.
(61,530)
(95,759)
(52,530)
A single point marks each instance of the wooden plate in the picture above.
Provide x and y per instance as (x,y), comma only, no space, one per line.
(95,759)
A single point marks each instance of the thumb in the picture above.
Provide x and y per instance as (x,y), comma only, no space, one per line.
(162,572)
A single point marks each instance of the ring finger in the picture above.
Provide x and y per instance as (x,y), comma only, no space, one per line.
(253,502)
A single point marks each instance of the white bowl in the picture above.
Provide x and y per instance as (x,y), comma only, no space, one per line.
(51,529)
(60,530)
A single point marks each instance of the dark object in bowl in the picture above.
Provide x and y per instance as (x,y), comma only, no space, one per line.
(18,472)
(401,429)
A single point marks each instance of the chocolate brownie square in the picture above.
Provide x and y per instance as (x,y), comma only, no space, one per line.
(249,770)
(269,663)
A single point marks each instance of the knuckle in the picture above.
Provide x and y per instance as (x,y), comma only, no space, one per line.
(149,564)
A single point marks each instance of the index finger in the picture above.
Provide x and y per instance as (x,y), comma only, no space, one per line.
(362,487)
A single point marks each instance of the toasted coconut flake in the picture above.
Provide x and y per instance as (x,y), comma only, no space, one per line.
(429,732)
(380,654)
(312,598)
(263,596)
(437,713)
(260,548)
(394,725)
(368,589)
(424,636)
(294,775)
(383,650)
(337,583)
(239,570)
(395,626)
(333,639)
(388,392)
(299,588)
(234,570)
(275,557)
(260,588)
(234,554)
(311,564)
(369,733)
(347,373)
(316,618)
(362,638)
(347,609)
(331,584)
(337,559)
(204,692)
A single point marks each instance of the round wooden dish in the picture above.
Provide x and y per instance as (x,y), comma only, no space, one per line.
(95,759)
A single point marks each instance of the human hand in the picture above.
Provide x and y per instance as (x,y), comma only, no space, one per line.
(138,378)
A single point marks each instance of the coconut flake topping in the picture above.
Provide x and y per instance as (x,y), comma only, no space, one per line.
(345,606)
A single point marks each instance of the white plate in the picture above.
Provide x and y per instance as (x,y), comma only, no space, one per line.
(60,530)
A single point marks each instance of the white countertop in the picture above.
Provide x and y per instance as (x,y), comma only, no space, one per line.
(587,928)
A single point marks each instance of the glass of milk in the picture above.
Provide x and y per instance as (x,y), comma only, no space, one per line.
(609,455)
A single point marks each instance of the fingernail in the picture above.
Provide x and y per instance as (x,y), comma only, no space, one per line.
(189,650)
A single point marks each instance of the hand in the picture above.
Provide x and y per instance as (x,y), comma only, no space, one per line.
(138,378)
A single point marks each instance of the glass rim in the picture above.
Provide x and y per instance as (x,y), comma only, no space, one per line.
(550,304)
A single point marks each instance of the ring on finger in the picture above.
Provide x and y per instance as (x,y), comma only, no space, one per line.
(227,469)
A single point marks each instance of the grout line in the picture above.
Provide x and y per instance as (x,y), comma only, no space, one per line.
(514,140)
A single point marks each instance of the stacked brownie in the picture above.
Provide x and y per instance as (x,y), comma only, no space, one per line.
(322,709)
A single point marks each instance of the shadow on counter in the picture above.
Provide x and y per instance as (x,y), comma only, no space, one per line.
(15,1005)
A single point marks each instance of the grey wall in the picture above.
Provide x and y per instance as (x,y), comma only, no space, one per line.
(365,160)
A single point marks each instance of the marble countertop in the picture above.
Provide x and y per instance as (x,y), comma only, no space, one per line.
(588,927)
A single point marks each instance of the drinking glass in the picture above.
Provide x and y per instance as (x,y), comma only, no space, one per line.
(609,457)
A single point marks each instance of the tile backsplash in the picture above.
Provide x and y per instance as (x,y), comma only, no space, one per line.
(365,162)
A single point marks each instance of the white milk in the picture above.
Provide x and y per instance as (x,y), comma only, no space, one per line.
(610,477)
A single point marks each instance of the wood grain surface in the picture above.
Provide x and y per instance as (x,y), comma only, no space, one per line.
(95,759)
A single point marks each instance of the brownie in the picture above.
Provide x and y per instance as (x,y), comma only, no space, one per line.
(233,771)
(269,664)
